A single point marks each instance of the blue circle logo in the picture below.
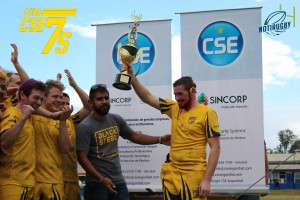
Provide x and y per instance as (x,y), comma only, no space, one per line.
(220,43)
(146,53)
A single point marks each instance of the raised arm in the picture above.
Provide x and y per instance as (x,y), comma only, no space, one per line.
(14,59)
(86,109)
(143,93)
(64,140)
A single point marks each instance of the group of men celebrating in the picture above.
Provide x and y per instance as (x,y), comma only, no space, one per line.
(38,155)
(41,141)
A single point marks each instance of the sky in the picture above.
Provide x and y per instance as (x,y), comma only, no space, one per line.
(281,54)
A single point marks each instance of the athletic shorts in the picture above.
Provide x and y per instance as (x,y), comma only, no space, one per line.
(180,184)
(48,191)
(72,191)
(16,192)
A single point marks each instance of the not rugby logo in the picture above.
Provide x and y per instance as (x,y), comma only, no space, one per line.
(277,23)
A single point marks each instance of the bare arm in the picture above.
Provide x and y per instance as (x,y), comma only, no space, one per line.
(14,59)
(10,136)
(64,140)
(214,144)
(86,109)
(144,139)
(45,113)
(90,169)
(142,92)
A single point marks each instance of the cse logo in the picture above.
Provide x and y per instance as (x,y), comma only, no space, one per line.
(146,57)
(36,19)
(220,43)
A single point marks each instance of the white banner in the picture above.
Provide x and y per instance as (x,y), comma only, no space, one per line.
(140,164)
(222,51)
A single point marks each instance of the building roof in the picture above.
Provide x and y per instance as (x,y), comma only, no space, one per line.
(287,161)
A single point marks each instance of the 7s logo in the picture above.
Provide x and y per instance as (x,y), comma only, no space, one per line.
(36,19)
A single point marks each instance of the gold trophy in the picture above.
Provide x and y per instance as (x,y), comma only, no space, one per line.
(128,54)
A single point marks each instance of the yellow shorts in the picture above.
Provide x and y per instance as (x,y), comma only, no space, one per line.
(16,192)
(48,191)
(180,184)
(72,191)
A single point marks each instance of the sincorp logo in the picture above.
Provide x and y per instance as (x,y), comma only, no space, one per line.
(220,43)
(203,99)
(228,99)
(146,56)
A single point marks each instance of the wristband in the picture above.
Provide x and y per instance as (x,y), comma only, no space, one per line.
(101,179)
(160,140)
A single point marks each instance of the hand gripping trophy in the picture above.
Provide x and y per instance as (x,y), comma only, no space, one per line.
(128,54)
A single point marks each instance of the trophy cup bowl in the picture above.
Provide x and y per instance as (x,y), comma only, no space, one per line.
(128,53)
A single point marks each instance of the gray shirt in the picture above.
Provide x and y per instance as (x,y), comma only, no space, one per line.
(100,140)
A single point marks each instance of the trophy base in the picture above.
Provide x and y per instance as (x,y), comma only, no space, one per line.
(123,82)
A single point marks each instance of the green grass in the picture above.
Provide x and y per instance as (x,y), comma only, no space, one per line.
(283,195)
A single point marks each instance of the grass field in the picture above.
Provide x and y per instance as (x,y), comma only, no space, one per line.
(283,195)
(274,195)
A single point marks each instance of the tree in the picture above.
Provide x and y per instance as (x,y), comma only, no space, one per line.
(278,149)
(286,139)
(270,151)
(295,146)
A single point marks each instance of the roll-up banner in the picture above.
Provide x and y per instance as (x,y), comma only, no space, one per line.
(140,164)
(222,51)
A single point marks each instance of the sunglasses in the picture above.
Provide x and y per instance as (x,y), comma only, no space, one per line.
(96,86)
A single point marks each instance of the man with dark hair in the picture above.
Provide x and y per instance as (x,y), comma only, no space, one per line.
(97,147)
(186,175)
(17,161)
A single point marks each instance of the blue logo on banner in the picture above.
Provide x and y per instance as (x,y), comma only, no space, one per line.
(220,43)
(146,56)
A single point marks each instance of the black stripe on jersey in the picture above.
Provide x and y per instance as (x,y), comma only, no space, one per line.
(164,106)
(55,194)
(210,131)
(24,194)
(76,118)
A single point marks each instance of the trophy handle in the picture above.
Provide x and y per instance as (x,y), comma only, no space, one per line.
(138,54)
(119,49)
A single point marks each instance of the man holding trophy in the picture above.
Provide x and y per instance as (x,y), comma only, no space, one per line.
(186,174)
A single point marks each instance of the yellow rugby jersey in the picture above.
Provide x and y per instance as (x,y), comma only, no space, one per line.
(17,163)
(48,155)
(69,160)
(11,101)
(190,130)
